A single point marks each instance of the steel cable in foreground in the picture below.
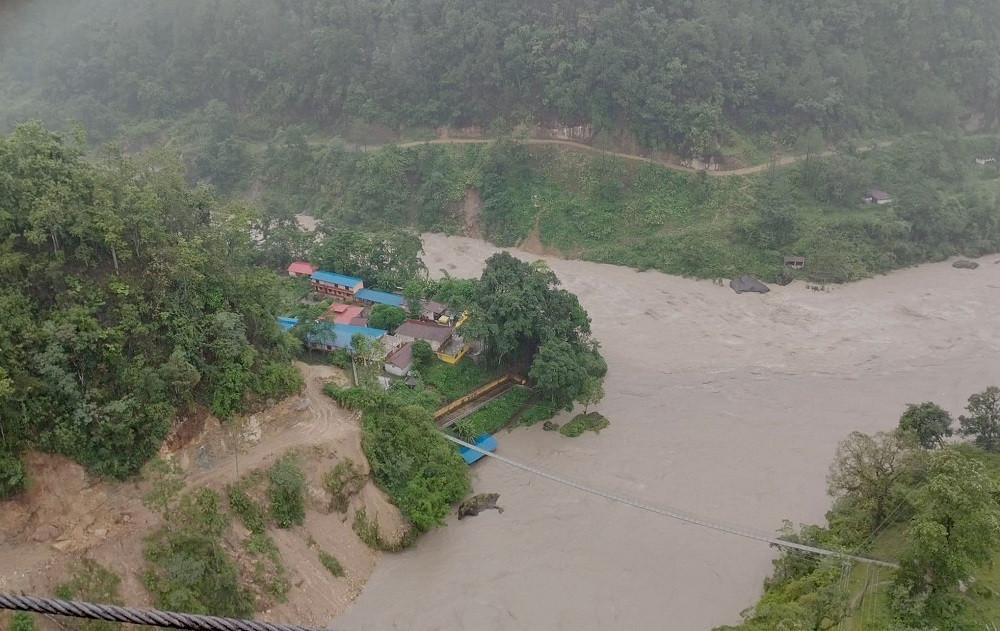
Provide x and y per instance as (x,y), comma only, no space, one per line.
(152,617)
(673,513)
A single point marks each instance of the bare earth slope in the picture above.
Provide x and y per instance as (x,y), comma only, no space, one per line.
(728,406)
(66,515)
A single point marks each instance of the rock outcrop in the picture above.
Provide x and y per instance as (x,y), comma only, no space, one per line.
(744,284)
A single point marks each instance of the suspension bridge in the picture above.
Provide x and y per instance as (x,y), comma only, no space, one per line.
(674,513)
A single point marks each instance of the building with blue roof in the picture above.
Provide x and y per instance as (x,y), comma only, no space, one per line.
(332,284)
(373,296)
(287,323)
(328,336)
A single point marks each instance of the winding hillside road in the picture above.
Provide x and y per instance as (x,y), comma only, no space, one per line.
(784,160)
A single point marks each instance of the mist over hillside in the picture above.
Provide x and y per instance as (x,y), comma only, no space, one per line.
(691,76)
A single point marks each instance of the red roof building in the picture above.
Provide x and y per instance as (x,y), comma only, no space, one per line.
(344,314)
(301,268)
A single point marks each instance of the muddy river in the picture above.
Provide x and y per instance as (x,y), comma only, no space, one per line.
(725,405)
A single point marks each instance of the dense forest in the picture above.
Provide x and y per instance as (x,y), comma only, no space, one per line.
(126,297)
(690,76)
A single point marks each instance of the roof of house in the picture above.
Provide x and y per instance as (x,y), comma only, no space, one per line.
(433,306)
(345,313)
(424,331)
(359,321)
(339,335)
(381,297)
(402,357)
(302,267)
(287,323)
(875,193)
(336,279)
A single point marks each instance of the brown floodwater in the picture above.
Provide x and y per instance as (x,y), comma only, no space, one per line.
(725,405)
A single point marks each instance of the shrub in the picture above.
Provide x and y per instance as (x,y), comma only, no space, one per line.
(594,422)
(186,567)
(90,581)
(367,530)
(492,416)
(276,380)
(22,621)
(541,411)
(332,564)
(354,398)
(287,491)
(453,381)
(413,462)
(386,317)
(251,512)
(423,354)
(341,482)
(13,478)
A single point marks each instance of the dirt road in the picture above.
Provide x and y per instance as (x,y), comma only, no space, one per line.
(673,165)
(725,405)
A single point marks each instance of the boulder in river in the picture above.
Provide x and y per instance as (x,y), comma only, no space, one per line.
(478,503)
(747,283)
(963,264)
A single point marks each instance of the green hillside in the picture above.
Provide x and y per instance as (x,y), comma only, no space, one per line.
(692,76)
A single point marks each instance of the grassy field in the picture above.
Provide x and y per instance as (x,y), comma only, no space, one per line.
(492,416)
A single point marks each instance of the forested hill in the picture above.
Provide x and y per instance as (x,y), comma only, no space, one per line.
(126,297)
(688,75)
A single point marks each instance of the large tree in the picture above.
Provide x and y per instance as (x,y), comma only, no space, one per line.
(929,422)
(386,317)
(983,420)
(955,530)
(564,372)
(518,307)
(869,470)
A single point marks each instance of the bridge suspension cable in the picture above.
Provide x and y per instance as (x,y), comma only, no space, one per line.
(673,513)
(152,617)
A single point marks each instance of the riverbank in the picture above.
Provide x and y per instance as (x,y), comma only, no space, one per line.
(728,406)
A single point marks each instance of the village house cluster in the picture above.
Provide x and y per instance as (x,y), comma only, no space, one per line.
(348,316)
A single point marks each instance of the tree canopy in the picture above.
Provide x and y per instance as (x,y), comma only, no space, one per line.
(983,420)
(929,422)
(689,75)
(126,294)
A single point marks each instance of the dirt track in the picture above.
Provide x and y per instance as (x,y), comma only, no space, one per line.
(669,164)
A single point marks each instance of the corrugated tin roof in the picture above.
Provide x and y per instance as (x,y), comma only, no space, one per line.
(402,356)
(339,335)
(287,323)
(424,331)
(345,313)
(484,442)
(381,297)
(336,279)
(302,267)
